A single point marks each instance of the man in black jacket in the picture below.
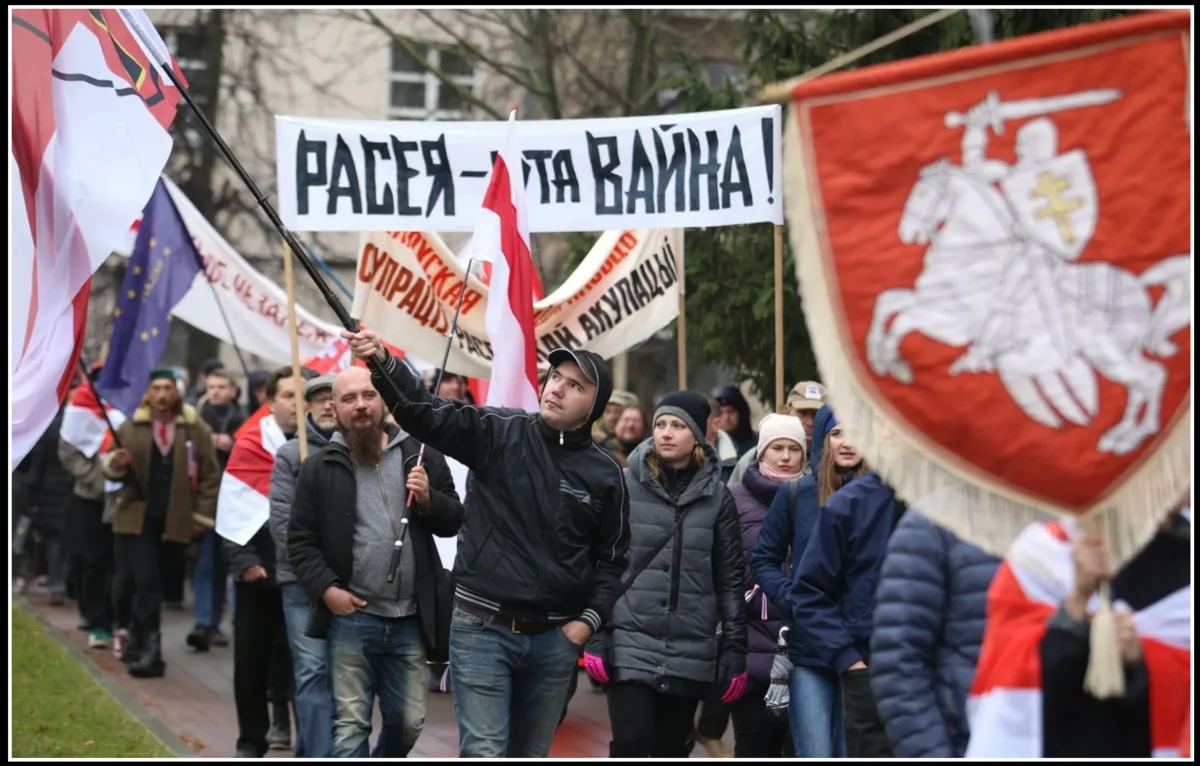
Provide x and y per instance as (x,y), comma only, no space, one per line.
(371,567)
(543,550)
(262,666)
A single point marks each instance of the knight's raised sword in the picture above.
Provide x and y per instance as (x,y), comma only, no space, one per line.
(1000,112)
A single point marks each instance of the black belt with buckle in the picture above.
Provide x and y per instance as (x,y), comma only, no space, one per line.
(525,627)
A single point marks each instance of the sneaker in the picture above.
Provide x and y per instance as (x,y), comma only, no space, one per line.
(217,637)
(120,639)
(99,639)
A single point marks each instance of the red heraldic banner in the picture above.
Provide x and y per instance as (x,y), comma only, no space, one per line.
(994,252)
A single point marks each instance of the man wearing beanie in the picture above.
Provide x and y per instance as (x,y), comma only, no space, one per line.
(542,550)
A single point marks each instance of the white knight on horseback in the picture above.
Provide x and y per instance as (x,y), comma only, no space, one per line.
(1001,280)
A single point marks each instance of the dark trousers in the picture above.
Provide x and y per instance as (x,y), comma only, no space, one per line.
(646,724)
(96,570)
(755,733)
(174,569)
(282,683)
(865,735)
(140,558)
(123,590)
(259,636)
(714,715)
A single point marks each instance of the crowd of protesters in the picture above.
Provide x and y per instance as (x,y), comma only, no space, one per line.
(703,570)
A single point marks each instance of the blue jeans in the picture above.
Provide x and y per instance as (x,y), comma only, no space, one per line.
(310,664)
(210,582)
(377,656)
(509,688)
(815,713)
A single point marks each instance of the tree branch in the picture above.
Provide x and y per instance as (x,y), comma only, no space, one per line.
(504,70)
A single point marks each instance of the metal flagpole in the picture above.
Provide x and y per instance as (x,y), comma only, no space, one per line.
(298,250)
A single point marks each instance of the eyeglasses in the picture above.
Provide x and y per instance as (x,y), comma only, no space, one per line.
(321,399)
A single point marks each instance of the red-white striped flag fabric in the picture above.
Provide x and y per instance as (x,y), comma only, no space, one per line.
(90,113)
(83,424)
(1005,703)
(242,504)
(502,238)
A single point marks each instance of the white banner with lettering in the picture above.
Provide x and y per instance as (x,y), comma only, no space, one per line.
(256,307)
(626,289)
(670,171)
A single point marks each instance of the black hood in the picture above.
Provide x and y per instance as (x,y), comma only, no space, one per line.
(743,437)
(596,369)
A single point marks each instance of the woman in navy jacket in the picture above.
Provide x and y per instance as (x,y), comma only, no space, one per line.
(833,591)
(815,711)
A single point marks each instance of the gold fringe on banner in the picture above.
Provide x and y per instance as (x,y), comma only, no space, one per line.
(979,511)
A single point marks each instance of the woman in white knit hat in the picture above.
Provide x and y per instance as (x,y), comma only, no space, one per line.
(780,456)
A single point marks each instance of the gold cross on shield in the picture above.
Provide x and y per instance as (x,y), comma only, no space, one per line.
(1050,188)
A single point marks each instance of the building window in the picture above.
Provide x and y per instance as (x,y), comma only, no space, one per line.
(417,94)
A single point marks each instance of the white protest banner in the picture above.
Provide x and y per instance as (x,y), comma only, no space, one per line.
(255,306)
(626,289)
(672,171)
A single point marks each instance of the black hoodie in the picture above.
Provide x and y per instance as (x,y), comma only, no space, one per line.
(546,531)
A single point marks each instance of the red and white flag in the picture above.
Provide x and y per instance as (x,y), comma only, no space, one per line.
(90,113)
(1005,703)
(502,239)
(83,424)
(243,504)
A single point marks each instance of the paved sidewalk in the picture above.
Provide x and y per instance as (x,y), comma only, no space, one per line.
(195,698)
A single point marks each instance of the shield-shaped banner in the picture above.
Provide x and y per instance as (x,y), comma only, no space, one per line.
(993,246)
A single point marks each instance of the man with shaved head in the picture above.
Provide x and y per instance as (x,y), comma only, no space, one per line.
(369,563)
(543,549)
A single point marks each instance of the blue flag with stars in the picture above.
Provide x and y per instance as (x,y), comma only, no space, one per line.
(161,270)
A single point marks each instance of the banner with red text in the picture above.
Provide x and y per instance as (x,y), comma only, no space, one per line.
(255,306)
(624,291)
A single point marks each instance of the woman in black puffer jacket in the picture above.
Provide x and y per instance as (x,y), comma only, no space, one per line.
(680,628)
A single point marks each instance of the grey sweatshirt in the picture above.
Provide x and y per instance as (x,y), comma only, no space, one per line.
(375,531)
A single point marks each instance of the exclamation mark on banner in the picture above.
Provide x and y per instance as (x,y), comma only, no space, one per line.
(768,135)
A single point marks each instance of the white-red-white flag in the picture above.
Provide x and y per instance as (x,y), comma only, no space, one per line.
(84,426)
(1005,702)
(243,503)
(502,238)
(90,118)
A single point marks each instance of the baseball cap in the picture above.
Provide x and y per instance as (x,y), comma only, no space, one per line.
(625,398)
(582,358)
(807,395)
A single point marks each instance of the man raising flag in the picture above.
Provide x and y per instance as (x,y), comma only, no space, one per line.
(90,113)
(546,532)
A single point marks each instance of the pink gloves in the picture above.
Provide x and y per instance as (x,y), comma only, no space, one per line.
(737,687)
(595,669)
